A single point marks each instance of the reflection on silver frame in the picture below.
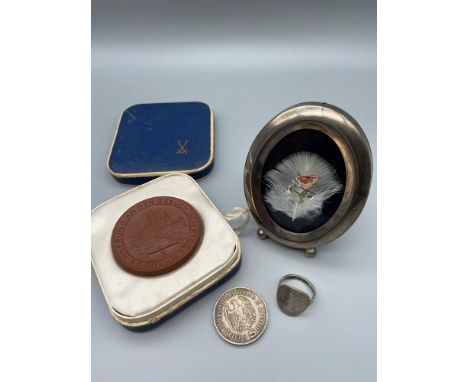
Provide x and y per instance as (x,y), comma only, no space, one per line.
(352,143)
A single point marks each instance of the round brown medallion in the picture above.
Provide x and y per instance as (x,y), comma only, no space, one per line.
(156,235)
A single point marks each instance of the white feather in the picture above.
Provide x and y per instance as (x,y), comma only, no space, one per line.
(280,179)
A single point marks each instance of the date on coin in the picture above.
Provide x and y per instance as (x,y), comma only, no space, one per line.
(240,316)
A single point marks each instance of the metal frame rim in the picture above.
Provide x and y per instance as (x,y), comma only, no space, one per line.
(354,147)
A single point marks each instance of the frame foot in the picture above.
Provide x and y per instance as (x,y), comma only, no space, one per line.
(261,234)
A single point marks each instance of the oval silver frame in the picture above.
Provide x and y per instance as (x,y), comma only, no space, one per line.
(354,147)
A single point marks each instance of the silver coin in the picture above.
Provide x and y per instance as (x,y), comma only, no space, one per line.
(240,316)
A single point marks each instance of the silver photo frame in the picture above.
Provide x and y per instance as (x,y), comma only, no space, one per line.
(350,140)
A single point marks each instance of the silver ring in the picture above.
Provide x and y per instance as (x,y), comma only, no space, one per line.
(293,301)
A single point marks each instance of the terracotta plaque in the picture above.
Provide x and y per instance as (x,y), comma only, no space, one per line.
(156,235)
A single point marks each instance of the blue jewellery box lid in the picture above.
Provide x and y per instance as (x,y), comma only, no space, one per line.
(159,138)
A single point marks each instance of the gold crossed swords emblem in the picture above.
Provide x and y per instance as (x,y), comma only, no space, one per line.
(182,147)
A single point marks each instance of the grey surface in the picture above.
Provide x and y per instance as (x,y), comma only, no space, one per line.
(248,61)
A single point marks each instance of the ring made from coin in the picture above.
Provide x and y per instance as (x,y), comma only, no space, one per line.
(293,301)
(156,235)
(240,316)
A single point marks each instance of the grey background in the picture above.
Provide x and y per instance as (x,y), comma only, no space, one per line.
(248,61)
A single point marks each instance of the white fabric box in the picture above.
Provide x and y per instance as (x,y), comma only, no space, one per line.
(140,301)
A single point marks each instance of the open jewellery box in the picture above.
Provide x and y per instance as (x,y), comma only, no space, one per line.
(307,175)
(141,302)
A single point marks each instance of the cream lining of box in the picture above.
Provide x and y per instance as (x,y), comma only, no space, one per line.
(137,298)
